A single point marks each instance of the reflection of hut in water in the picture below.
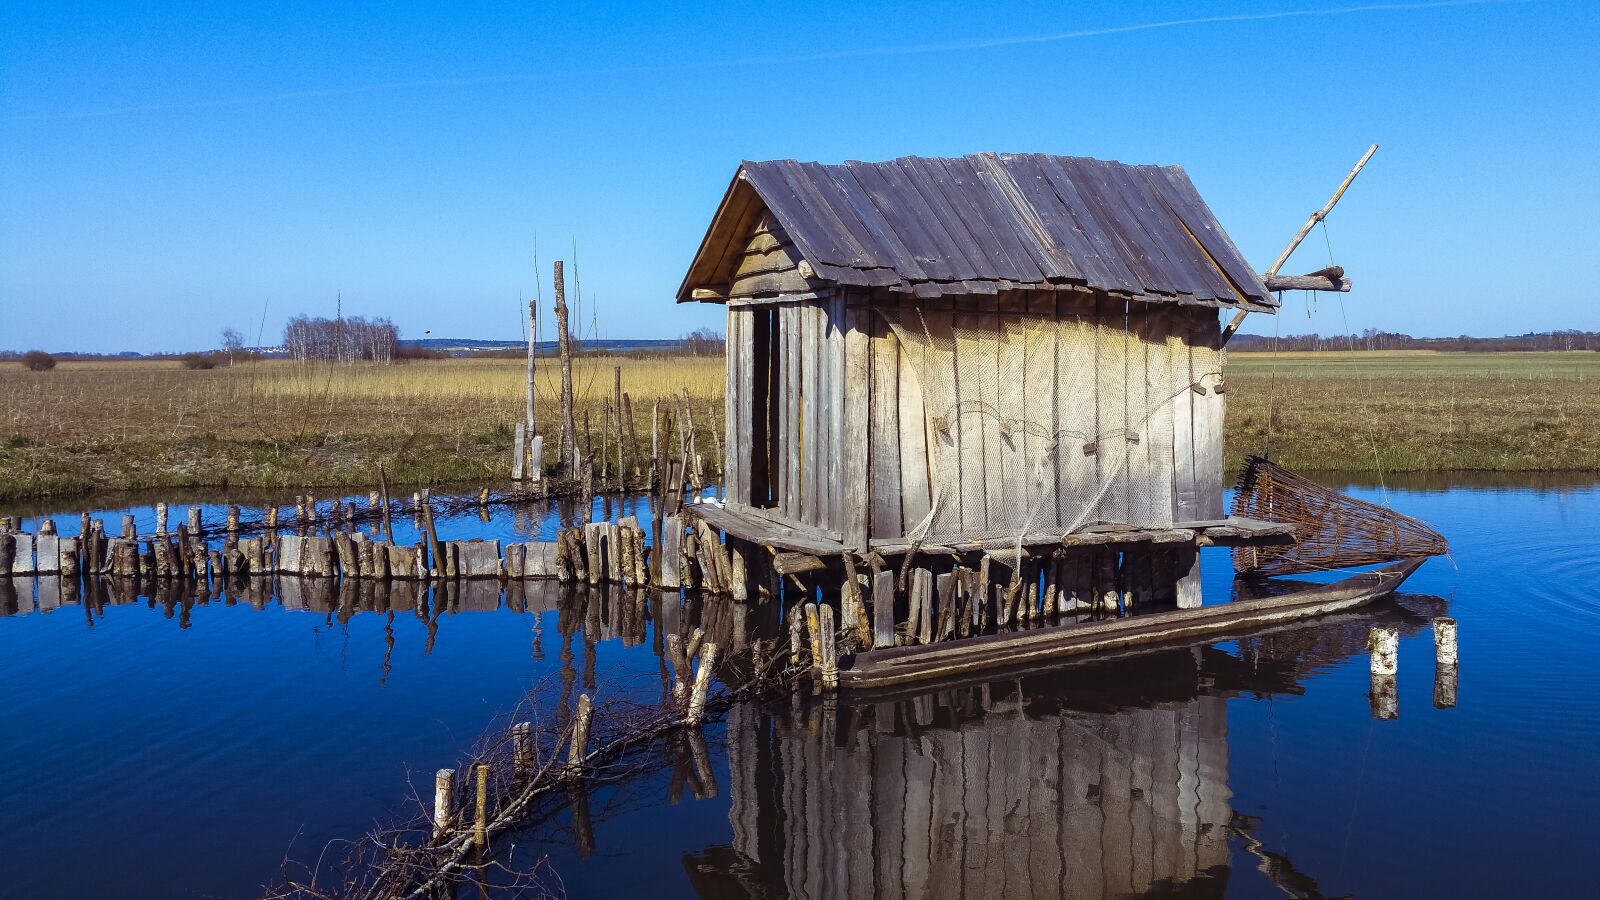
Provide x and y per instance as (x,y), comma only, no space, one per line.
(955,798)
(1098,779)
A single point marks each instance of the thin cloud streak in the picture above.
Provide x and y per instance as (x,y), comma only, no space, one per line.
(866,52)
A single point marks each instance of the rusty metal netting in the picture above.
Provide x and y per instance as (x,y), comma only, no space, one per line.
(1333,530)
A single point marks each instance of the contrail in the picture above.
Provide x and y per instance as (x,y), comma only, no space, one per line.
(918,49)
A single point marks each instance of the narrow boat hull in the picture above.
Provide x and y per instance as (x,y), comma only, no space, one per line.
(905,665)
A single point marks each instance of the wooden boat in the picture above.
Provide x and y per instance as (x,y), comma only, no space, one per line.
(902,665)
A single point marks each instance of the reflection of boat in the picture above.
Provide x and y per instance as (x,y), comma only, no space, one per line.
(899,665)
(1093,778)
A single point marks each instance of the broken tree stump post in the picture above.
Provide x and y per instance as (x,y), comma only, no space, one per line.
(443,787)
(1446,662)
(702,683)
(130,531)
(1384,645)
(830,660)
(579,747)
(522,749)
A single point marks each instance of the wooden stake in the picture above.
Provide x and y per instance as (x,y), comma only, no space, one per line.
(579,746)
(702,684)
(522,749)
(443,788)
(480,825)
(569,437)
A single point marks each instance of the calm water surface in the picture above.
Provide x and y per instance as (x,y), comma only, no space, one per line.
(175,746)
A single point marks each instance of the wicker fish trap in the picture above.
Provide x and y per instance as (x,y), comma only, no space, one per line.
(1333,531)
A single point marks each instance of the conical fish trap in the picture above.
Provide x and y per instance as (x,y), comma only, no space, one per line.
(1334,531)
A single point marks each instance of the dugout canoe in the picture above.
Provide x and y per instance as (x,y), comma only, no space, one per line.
(893,666)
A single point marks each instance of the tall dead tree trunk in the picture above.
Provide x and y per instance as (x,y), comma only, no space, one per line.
(569,428)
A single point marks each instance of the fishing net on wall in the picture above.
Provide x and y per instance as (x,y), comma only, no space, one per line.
(1038,423)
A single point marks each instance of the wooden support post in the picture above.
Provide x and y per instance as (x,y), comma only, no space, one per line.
(739,573)
(569,428)
(130,531)
(702,684)
(480,822)
(578,749)
(194,520)
(519,447)
(813,624)
(1384,645)
(1446,661)
(161,518)
(443,812)
(883,608)
(922,605)
(522,749)
(830,659)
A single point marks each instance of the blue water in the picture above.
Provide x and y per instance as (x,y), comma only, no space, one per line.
(174,747)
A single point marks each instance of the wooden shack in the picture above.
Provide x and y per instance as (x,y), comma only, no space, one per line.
(972,348)
(960,356)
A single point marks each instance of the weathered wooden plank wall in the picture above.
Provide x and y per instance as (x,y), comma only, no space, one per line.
(1086,804)
(1070,405)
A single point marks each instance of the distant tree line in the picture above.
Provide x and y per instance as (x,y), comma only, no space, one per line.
(340,340)
(1372,339)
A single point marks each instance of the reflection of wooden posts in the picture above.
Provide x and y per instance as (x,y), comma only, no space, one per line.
(1446,662)
(443,788)
(582,829)
(1384,645)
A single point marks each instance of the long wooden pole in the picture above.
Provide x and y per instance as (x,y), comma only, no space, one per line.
(533,332)
(1294,244)
(569,428)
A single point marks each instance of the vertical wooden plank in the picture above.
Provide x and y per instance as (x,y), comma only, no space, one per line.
(1154,325)
(884,420)
(792,374)
(809,407)
(855,487)
(1075,402)
(1016,466)
(1041,412)
(1136,392)
(967,427)
(915,489)
(992,344)
(736,408)
(1111,444)
(883,609)
(1210,408)
(837,450)
(1186,501)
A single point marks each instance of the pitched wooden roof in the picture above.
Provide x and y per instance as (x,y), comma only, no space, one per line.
(990,222)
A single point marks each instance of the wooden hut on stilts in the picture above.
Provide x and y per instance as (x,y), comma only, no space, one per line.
(994,382)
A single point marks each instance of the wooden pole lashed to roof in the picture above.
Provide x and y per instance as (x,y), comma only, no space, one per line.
(1300,235)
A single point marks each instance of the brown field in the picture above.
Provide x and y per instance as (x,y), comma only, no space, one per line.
(88,426)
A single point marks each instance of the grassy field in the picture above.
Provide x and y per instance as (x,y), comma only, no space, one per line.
(274,424)
(139,424)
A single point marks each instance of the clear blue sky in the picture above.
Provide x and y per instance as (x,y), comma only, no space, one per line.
(169,169)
